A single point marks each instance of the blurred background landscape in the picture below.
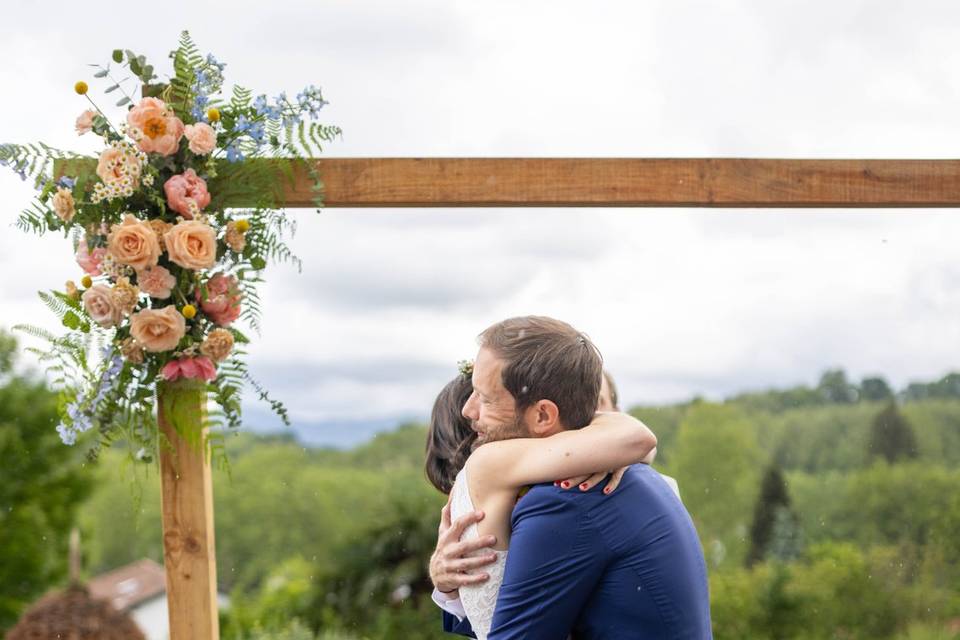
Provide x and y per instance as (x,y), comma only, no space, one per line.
(828,510)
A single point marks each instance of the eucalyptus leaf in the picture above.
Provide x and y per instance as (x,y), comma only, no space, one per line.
(101,74)
(117,56)
(124,100)
(111,88)
(71,320)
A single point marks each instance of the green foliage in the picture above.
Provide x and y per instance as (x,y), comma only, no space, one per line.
(774,523)
(717,465)
(891,436)
(42,484)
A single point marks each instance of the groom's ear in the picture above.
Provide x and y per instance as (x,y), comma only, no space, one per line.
(543,419)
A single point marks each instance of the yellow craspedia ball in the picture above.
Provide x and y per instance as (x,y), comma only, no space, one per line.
(213,114)
(86,281)
(81,88)
(188,311)
(242,226)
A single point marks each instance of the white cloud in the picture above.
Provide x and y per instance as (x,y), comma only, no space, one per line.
(679,301)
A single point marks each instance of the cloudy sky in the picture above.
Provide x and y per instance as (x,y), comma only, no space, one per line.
(680,302)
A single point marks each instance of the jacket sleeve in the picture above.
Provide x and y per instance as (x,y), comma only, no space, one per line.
(451,624)
(555,561)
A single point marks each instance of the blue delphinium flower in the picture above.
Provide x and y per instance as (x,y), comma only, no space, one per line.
(67,183)
(234,154)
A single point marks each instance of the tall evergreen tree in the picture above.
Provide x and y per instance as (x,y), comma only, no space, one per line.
(891,436)
(774,523)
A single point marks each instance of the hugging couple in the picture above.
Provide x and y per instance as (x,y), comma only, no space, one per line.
(522,555)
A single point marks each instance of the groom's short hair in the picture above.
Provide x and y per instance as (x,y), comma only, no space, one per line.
(546,359)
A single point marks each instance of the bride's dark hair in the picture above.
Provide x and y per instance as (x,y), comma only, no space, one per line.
(450,438)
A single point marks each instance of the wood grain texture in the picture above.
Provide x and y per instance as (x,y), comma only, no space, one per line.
(189,556)
(621,182)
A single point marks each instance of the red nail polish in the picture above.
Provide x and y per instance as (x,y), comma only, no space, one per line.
(556,483)
(583,486)
(606,489)
(565,484)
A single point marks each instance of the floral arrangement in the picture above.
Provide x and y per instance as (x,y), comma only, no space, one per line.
(168,269)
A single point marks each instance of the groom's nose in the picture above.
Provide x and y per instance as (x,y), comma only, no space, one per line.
(469,408)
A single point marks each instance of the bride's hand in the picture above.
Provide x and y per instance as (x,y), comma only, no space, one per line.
(585,483)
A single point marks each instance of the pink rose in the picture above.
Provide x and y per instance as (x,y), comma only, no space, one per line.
(160,130)
(156,282)
(202,137)
(90,262)
(200,367)
(222,302)
(99,303)
(184,189)
(85,121)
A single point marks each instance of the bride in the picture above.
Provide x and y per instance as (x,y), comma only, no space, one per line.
(491,478)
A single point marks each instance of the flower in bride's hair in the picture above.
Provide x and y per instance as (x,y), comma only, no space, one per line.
(158,330)
(465,367)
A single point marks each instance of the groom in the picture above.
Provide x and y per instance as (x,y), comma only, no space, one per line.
(619,566)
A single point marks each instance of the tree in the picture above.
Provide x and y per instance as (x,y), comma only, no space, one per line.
(834,387)
(891,436)
(875,389)
(774,522)
(41,485)
(717,462)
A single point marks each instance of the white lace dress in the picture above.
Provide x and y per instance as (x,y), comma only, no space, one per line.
(480,600)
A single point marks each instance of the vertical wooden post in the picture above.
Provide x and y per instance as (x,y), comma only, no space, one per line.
(187,506)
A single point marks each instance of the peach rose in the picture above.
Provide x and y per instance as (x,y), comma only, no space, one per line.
(85,121)
(192,245)
(202,137)
(199,367)
(134,243)
(184,189)
(217,345)
(99,303)
(159,129)
(90,262)
(156,282)
(116,166)
(222,302)
(63,204)
(158,330)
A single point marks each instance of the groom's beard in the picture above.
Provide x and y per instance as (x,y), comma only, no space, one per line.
(509,431)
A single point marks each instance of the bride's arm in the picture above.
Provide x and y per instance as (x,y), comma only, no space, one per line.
(612,440)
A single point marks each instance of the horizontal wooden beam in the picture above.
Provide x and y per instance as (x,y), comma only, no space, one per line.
(628,182)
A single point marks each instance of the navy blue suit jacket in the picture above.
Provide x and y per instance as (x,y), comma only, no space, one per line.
(624,566)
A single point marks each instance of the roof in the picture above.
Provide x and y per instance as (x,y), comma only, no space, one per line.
(73,613)
(129,585)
